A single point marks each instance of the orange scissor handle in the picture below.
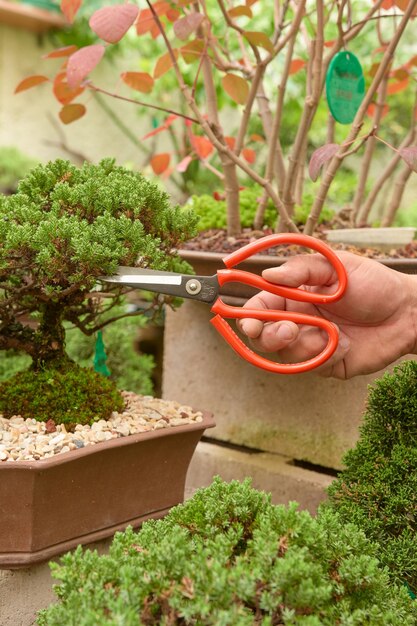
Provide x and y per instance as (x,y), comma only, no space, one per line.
(293,293)
(230,275)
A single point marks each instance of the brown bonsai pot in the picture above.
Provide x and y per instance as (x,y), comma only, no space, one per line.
(50,506)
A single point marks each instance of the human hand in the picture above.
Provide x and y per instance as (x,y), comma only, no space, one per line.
(376,316)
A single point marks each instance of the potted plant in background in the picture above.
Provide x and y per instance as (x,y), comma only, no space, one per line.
(80,459)
(228,556)
(235,51)
(14,165)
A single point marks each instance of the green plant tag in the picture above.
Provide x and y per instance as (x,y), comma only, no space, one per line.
(100,356)
(345,86)
(410,593)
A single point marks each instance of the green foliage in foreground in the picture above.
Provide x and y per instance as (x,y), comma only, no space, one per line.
(229,557)
(73,395)
(378,488)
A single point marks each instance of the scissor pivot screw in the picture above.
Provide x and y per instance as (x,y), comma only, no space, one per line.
(193,287)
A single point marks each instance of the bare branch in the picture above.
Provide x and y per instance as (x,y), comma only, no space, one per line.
(357,122)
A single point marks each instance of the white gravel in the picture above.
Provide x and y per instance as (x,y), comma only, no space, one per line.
(29,440)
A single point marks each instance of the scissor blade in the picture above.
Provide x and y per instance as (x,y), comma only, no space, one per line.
(204,288)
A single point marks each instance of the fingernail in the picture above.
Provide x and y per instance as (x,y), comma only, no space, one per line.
(244,327)
(285,332)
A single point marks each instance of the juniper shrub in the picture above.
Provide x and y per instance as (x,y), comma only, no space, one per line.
(63,229)
(228,556)
(377,490)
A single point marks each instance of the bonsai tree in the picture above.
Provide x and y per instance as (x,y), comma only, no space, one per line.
(63,229)
(228,556)
(272,68)
(377,490)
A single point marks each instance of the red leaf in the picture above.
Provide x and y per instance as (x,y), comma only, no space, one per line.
(112,23)
(70,8)
(398,86)
(31,81)
(259,39)
(218,196)
(240,10)
(401,73)
(236,87)
(169,120)
(403,4)
(146,22)
(410,157)
(230,141)
(192,50)
(71,112)
(370,111)
(202,146)
(160,162)
(161,7)
(296,65)
(82,62)
(183,165)
(163,64)
(412,61)
(62,92)
(60,52)
(373,69)
(141,81)
(380,49)
(320,157)
(249,155)
(255,137)
(173,15)
(187,25)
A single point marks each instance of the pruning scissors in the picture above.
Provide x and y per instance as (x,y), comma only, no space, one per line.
(206,289)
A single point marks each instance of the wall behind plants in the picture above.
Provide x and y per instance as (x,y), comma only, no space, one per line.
(25,119)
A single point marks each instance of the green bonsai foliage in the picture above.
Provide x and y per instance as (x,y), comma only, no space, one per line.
(76,394)
(378,488)
(63,229)
(229,557)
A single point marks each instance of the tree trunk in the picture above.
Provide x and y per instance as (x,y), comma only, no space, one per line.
(397,194)
(49,339)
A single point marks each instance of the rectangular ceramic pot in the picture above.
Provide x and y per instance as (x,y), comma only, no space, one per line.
(50,506)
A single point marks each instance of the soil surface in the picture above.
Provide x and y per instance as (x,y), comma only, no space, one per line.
(216,240)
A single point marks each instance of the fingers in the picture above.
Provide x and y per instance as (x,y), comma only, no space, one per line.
(270,337)
(311,269)
(263,301)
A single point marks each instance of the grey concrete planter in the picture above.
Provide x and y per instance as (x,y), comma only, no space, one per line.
(301,419)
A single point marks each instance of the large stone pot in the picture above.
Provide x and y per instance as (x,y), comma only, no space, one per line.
(299,420)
